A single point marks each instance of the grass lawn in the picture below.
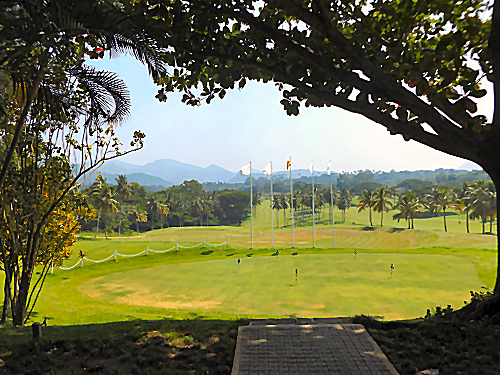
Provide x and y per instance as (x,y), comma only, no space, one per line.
(433,267)
(110,314)
(328,285)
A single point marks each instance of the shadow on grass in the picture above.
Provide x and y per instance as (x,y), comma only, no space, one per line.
(230,255)
(368,229)
(249,255)
(296,253)
(208,252)
(172,345)
(396,230)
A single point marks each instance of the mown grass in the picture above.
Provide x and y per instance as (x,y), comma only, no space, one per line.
(172,293)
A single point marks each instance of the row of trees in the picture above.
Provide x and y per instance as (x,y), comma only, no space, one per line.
(127,206)
(477,201)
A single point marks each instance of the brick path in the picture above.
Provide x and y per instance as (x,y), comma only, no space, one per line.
(340,349)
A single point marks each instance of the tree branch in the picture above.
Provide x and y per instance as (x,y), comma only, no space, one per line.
(494,47)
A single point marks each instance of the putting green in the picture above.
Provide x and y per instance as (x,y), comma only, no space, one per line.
(328,285)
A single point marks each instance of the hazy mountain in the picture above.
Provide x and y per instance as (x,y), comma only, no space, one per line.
(470,166)
(170,170)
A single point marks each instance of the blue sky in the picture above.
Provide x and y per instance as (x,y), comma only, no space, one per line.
(251,125)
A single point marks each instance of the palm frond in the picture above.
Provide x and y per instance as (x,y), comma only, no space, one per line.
(142,48)
(108,94)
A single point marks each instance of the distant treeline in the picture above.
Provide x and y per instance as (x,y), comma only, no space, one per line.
(360,180)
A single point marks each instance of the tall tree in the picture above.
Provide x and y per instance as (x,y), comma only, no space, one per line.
(366,200)
(123,192)
(433,200)
(138,216)
(448,199)
(103,200)
(37,35)
(382,202)
(344,201)
(408,204)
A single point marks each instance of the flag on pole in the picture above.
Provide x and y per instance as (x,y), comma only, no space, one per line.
(288,164)
(267,170)
(329,168)
(311,167)
(245,169)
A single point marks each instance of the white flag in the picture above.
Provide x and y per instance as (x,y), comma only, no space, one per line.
(267,170)
(311,167)
(329,168)
(245,169)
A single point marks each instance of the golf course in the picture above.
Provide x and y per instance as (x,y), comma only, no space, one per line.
(200,275)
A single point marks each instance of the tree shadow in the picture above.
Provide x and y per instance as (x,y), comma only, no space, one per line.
(296,253)
(229,255)
(396,230)
(249,255)
(368,229)
(208,252)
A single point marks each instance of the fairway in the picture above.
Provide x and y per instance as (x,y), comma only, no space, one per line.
(328,285)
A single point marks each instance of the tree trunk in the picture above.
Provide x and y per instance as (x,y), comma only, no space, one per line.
(371,224)
(484,231)
(6,299)
(444,219)
(491,224)
(120,221)
(105,226)
(382,218)
(137,226)
(467,218)
(97,227)
(19,309)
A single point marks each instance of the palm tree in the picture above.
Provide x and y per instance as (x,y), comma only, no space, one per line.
(284,203)
(483,205)
(448,199)
(344,202)
(433,200)
(33,59)
(382,202)
(464,201)
(409,205)
(123,192)
(257,200)
(277,206)
(366,201)
(104,202)
(137,216)
(155,207)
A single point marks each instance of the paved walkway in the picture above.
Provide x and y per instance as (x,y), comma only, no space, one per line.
(295,349)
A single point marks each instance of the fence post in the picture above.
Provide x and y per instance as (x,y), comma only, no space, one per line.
(228,242)
(81,265)
(203,243)
(51,268)
(115,255)
(176,246)
(147,250)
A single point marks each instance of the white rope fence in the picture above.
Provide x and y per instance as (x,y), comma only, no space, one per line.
(147,251)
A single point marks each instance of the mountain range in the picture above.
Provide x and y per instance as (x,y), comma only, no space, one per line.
(168,172)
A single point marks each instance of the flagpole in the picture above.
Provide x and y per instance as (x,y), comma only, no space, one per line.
(313,208)
(291,203)
(272,208)
(251,204)
(331,203)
